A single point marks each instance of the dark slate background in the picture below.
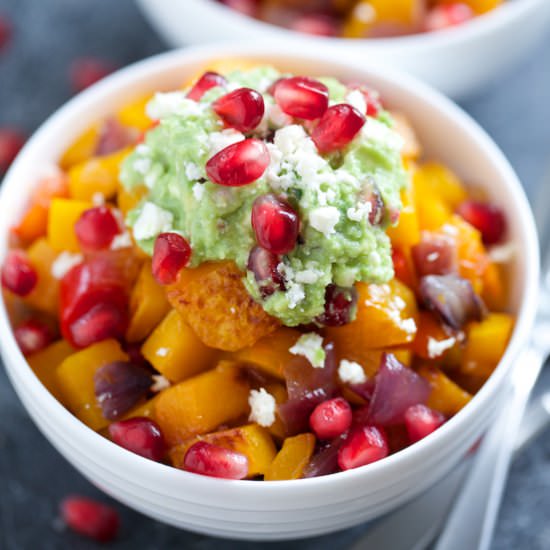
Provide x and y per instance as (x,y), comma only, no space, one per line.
(48,34)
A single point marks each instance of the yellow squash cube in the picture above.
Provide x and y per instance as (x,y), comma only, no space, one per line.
(446,397)
(81,149)
(292,459)
(133,114)
(64,213)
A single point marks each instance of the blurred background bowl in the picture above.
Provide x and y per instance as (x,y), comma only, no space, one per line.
(458,61)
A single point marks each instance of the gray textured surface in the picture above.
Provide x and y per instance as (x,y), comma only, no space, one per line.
(33,82)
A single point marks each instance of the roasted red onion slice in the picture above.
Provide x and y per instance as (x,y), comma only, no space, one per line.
(435,255)
(325,459)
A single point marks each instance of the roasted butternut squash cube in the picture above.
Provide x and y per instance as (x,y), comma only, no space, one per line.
(494,291)
(45,362)
(145,409)
(446,397)
(148,305)
(216,305)
(128,199)
(252,440)
(75,378)
(64,213)
(292,459)
(175,351)
(202,403)
(81,149)
(432,340)
(483,6)
(133,114)
(407,231)
(433,178)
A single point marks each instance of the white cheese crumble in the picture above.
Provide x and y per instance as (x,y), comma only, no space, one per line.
(310,346)
(151,221)
(503,253)
(220,140)
(351,372)
(162,352)
(356,99)
(324,219)
(307,276)
(198,191)
(377,131)
(159,383)
(192,171)
(142,165)
(165,104)
(359,212)
(64,263)
(294,290)
(98,199)
(436,348)
(262,407)
(122,240)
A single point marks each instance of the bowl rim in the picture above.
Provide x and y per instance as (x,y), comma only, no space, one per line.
(122,80)
(482,24)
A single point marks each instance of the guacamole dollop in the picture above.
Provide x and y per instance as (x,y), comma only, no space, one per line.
(338,244)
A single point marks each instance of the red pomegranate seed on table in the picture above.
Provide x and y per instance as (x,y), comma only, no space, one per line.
(316,24)
(18,274)
(264,266)
(421,421)
(5,31)
(96,228)
(241,109)
(87,71)
(275,223)
(139,435)
(447,15)
(301,96)
(337,127)
(32,336)
(206,82)
(487,218)
(331,418)
(90,518)
(239,164)
(339,305)
(211,460)
(171,254)
(365,445)
(11,142)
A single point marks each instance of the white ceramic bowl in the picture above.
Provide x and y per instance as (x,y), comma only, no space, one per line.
(286,509)
(457,62)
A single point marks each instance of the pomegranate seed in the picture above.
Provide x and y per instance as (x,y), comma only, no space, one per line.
(371,97)
(365,445)
(207,81)
(446,16)
(275,223)
(301,97)
(241,109)
(421,421)
(337,127)
(488,219)
(316,24)
(18,275)
(141,436)
(247,7)
(90,518)
(101,322)
(32,336)
(96,228)
(339,306)
(211,460)
(11,142)
(239,164)
(331,418)
(170,256)
(264,266)
(87,71)
(5,31)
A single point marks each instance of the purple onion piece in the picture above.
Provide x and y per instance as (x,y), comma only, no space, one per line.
(113,136)
(325,459)
(452,298)
(435,255)
(119,386)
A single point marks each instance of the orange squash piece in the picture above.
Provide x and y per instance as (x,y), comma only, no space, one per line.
(216,305)
(483,6)
(430,330)
(128,199)
(81,149)
(446,397)
(145,409)
(64,213)
(292,459)
(406,233)
(133,114)
(200,404)
(494,291)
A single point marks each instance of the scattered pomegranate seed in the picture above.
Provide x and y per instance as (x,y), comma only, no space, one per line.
(371,97)
(301,96)
(100,322)
(11,142)
(447,15)
(339,306)
(337,127)
(487,218)
(247,7)
(207,81)
(211,460)
(276,224)
(239,164)
(18,275)
(371,195)
(316,24)
(421,421)
(96,228)
(5,31)
(241,109)
(32,336)
(90,518)
(87,71)
(170,256)
(365,445)
(264,266)
(139,435)
(331,418)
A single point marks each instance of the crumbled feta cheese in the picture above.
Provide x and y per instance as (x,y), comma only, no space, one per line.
(64,262)
(503,253)
(307,276)
(159,383)
(378,132)
(98,199)
(162,352)
(295,294)
(310,346)
(408,325)
(324,219)
(351,372)
(142,165)
(356,99)
(359,212)
(220,140)
(192,171)
(290,138)
(151,221)
(262,407)
(165,104)
(436,348)
(122,240)
(198,191)
(143,149)
(432,257)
